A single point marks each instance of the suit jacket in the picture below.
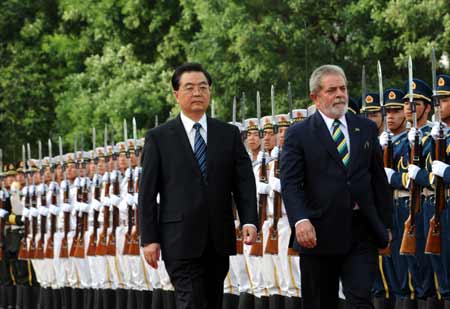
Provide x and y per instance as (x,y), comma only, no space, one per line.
(194,211)
(317,186)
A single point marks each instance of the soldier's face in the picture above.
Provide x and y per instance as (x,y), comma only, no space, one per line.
(8,181)
(20,178)
(422,109)
(47,175)
(111,164)
(133,160)
(376,117)
(91,169)
(59,173)
(253,141)
(101,166)
(193,94)
(269,139)
(395,118)
(332,98)
(71,171)
(445,108)
(281,133)
(37,177)
(122,162)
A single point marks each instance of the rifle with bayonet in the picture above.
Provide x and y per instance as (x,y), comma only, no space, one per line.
(79,198)
(363,92)
(102,240)
(130,190)
(433,244)
(408,246)
(34,221)
(388,150)
(83,214)
(49,250)
(272,241)
(133,248)
(3,192)
(111,247)
(92,246)
(23,250)
(64,251)
(257,247)
(43,219)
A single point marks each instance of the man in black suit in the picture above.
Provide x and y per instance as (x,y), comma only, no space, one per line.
(197,165)
(336,195)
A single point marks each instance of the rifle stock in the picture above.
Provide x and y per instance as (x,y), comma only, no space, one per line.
(80,245)
(257,247)
(34,225)
(272,241)
(23,250)
(43,229)
(134,248)
(64,251)
(127,242)
(50,242)
(111,246)
(102,240)
(92,246)
(388,162)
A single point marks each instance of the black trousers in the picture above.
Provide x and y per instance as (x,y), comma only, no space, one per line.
(198,282)
(320,274)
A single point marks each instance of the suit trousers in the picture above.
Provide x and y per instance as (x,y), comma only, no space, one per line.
(356,269)
(198,281)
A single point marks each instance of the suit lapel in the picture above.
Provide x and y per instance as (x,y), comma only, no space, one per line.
(185,147)
(325,137)
(355,139)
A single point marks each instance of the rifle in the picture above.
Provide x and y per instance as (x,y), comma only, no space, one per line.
(111,247)
(388,151)
(34,222)
(80,247)
(64,251)
(50,242)
(134,248)
(102,241)
(130,190)
(96,179)
(257,247)
(272,242)
(408,246)
(39,254)
(75,241)
(433,244)
(23,250)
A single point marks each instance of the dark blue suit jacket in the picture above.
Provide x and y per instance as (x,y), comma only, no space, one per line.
(317,186)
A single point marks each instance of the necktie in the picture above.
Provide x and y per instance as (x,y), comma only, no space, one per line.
(200,149)
(341,143)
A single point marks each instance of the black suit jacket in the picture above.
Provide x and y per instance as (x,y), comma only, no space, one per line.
(194,211)
(317,186)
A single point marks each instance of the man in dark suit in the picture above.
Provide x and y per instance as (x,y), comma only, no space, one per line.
(336,196)
(197,165)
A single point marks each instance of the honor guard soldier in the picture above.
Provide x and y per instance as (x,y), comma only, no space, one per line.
(394,268)
(418,263)
(353,106)
(299,115)
(373,109)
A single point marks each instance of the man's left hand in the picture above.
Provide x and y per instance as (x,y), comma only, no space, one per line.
(249,233)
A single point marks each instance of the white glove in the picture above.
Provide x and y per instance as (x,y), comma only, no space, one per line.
(25,212)
(34,212)
(95,204)
(2,195)
(438,168)
(384,139)
(3,213)
(96,179)
(24,191)
(105,177)
(128,173)
(435,129)
(42,188)
(64,185)
(77,182)
(275,184)
(84,207)
(389,172)
(274,153)
(130,199)
(66,207)
(43,211)
(54,210)
(263,188)
(114,175)
(53,186)
(412,135)
(413,170)
(115,200)
(106,202)
(259,157)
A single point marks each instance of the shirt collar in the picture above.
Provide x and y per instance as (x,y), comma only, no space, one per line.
(329,121)
(188,123)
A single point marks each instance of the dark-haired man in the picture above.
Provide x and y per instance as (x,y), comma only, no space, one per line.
(195,163)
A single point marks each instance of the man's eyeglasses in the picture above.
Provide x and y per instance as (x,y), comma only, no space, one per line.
(190,88)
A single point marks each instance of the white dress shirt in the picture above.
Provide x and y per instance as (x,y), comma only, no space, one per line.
(188,125)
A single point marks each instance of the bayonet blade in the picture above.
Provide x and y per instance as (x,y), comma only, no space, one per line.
(380,83)
(433,71)
(290,101)
(105,141)
(40,154)
(258,106)
(213,109)
(125,134)
(135,132)
(272,102)
(61,160)
(50,152)
(94,137)
(24,159)
(156,121)
(363,88)
(243,107)
(411,93)
(29,153)
(1,162)
(233,119)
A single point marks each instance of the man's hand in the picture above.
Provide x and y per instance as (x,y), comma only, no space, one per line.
(306,234)
(249,234)
(152,253)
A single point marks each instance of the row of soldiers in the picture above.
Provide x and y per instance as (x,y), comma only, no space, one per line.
(70,230)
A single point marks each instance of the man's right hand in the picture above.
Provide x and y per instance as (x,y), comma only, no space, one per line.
(306,234)
(152,252)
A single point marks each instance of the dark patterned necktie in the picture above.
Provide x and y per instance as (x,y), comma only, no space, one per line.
(200,149)
(341,143)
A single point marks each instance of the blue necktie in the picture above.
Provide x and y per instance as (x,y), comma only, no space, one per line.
(200,149)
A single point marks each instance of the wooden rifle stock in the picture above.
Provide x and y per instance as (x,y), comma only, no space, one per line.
(39,254)
(433,244)
(257,247)
(80,247)
(239,242)
(272,241)
(408,246)
(102,240)
(126,247)
(34,222)
(64,251)
(76,237)
(388,162)
(134,243)
(23,250)
(50,242)
(93,238)
(111,247)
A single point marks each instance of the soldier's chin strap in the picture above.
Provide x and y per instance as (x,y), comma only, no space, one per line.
(421,115)
(398,127)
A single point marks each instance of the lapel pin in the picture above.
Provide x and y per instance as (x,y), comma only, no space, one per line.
(366,145)
(356,130)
